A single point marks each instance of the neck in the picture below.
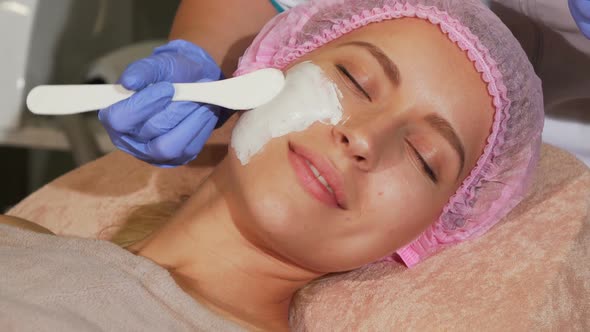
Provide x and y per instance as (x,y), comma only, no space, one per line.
(216,264)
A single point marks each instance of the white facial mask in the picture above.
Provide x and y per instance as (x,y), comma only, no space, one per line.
(307,97)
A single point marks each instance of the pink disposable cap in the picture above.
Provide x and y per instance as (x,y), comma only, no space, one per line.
(503,172)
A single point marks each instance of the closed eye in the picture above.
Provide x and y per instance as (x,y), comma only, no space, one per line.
(359,87)
(425,167)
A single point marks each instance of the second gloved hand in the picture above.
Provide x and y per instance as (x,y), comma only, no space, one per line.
(581,12)
(149,125)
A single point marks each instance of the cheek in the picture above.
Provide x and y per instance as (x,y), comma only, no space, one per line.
(271,211)
(398,210)
(260,190)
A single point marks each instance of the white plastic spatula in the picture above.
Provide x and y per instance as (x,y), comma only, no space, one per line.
(239,93)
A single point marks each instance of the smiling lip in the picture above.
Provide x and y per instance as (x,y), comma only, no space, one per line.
(300,160)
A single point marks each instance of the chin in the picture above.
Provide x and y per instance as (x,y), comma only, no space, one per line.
(273,212)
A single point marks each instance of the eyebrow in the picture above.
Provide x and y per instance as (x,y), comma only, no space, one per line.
(446,130)
(389,67)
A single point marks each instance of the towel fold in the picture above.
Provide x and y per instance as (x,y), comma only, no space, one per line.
(50,283)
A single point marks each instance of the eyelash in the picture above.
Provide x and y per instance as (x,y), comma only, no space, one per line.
(426,168)
(346,73)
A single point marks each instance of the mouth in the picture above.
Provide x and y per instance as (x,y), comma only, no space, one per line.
(317,176)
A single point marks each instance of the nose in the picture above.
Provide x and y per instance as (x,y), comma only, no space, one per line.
(359,143)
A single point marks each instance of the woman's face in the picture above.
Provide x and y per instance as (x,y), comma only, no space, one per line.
(416,115)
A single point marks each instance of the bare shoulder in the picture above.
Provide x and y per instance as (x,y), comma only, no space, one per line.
(24,224)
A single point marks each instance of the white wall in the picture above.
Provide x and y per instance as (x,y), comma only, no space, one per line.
(54,43)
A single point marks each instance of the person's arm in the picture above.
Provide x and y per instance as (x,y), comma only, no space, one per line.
(223,28)
(206,35)
(23,224)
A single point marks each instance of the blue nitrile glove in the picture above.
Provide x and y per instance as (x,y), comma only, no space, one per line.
(581,12)
(149,125)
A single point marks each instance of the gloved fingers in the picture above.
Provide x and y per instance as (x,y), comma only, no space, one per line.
(125,115)
(171,145)
(141,74)
(193,63)
(149,125)
(581,12)
(128,145)
(187,70)
(582,7)
(195,147)
(156,68)
(164,121)
(169,67)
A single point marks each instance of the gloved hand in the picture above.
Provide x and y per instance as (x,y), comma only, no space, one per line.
(149,125)
(581,12)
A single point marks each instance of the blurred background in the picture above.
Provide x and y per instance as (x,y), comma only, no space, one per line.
(92,41)
(64,42)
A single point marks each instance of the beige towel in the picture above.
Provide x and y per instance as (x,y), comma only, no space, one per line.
(50,283)
(529,273)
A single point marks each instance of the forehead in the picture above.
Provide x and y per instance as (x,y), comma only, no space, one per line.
(437,76)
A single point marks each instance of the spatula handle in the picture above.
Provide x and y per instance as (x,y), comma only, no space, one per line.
(238,93)
(71,99)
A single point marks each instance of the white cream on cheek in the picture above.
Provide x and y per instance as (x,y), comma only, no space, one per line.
(308,96)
